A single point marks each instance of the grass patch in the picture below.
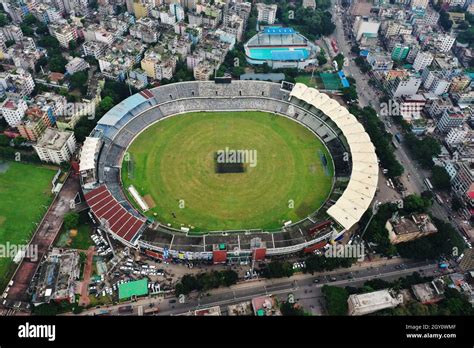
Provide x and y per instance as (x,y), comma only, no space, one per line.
(173,161)
(315,82)
(80,240)
(25,195)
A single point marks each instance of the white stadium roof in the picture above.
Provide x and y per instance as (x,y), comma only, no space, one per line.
(88,153)
(360,191)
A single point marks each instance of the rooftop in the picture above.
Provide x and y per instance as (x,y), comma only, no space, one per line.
(53,139)
(135,288)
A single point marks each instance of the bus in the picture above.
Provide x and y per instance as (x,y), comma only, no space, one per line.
(439,199)
(428,184)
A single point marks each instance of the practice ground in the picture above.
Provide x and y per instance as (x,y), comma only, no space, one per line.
(173,161)
(25,195)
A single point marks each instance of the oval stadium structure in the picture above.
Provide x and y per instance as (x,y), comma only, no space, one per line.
(355,169)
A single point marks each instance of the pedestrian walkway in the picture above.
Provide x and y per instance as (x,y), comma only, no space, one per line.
(84,299)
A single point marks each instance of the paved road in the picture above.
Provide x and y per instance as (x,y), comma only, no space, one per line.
(302,286)
(303,289)
(413,177)
(43,238)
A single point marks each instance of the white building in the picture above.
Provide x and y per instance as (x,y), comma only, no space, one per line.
(76,65)
(411,107)
(434,82)
(419,3)
(361,304)
(457,136)
(431,17)
(364,27)
(94,49)
(177,11)
(266,13)
(422,60)
(405,85)
(309,4)
(13,110)
(12,33)
(64,33)
(451,118)
(444,43)
(55,146)
(20,84)
(167,18)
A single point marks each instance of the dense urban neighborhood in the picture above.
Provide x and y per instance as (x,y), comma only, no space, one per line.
(236,158)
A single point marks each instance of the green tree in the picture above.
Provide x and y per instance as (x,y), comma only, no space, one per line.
(3,20)
(229,277)
(440,178)
(444,20)
(58,63)
(340,61)
(78,80)
(336,300)
(415,204)
(18,141)
(349,94)
(380,138)
(423,150)
(456,203)
(278,269)
(4,140)
(291,309)
(71,220)
(355,49)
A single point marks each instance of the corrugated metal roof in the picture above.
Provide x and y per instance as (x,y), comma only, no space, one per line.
(360,191)
(118,111)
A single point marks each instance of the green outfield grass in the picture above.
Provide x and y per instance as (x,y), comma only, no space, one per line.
(174,160)
(25,195)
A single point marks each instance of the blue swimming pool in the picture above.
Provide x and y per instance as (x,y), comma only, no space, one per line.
(278,53)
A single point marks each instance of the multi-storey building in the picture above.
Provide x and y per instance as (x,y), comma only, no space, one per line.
(411,106)
(55,146)
(419,3)
(422,60)
(34,124)
(64,33)
(404,85)
(438,106)
(94,49)
(266,13)
(464,178)
(435,82)
(159,64)
(76,64)
(19,84)
(13,110)
(451,118)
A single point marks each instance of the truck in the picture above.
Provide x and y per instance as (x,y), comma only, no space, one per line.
(334,46)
